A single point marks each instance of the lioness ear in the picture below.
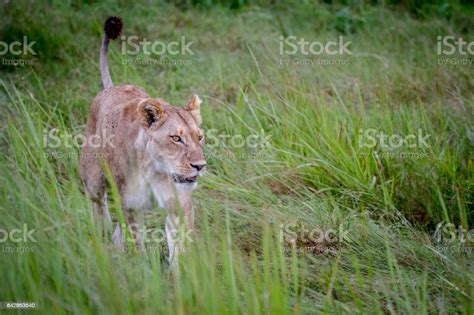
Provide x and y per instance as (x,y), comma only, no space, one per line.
(194,108)
(150,112)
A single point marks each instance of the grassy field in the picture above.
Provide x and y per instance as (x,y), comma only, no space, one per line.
(297,146)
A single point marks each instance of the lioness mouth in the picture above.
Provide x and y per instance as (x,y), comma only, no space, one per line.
(182,180)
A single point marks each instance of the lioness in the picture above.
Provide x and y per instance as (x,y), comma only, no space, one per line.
(154,151)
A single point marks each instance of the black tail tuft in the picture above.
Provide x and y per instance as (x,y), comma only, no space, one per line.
(113,27)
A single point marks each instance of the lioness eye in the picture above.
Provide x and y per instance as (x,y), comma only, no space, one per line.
(200,138)
(176,138)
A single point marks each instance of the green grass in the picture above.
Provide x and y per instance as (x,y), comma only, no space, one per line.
(313,171)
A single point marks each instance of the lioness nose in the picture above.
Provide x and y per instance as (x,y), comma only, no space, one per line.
(198,166)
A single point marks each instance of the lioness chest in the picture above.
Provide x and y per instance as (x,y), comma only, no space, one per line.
(145,192)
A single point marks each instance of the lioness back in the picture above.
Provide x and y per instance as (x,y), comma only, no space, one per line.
(113,100)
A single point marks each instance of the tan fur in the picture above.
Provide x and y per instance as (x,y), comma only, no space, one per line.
(150,168)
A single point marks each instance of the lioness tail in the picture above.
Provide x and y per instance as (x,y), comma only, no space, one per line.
(113,27)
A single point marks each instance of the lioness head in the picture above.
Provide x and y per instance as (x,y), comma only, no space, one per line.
(175,139)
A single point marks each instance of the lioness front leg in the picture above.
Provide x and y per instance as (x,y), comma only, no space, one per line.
(172,225)
(133,227)
(101,209)
(177,234)
(133,224)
